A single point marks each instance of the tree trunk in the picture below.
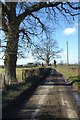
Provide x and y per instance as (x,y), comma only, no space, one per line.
(47,59)
(11,57)
(47,62)
(10,26)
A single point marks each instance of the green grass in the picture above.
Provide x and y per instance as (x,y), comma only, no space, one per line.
(1,70)
(72,73)
(12,91)
(68,71)
(18,73)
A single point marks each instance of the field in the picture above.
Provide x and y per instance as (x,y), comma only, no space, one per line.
(34,76)
(18,73)
(70,73)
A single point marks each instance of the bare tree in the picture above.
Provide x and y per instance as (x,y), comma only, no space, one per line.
(47,50)
(22,20)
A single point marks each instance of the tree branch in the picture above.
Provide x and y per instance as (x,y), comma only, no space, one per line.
(43,27)
(34,8)
(75,8)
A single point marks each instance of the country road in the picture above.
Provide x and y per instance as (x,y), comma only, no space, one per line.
(52,99)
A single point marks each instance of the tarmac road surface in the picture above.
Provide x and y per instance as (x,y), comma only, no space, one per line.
(52,99)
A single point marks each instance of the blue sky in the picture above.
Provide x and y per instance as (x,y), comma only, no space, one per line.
(64,32)
(69,34)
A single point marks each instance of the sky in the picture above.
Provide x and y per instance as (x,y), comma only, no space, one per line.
(62,34)
(69,34)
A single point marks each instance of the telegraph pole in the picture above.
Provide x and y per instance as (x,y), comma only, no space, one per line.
(67,54)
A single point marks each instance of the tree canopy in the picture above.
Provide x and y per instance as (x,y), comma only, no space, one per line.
(47,50)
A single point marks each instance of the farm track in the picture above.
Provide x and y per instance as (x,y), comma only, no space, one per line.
(51,100)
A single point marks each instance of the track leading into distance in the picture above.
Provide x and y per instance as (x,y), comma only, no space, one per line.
(53,99)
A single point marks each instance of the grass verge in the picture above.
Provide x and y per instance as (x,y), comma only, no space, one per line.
(71,73)
(12,91)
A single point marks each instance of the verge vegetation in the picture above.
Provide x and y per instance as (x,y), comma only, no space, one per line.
(71,73)
(33,77)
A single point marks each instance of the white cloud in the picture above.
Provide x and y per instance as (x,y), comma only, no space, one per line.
(69,31)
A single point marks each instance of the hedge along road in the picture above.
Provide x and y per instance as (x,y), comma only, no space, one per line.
(52,99)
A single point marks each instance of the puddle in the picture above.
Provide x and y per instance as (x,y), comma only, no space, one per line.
(77,97)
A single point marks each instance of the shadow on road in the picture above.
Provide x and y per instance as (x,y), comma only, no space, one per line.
(47,101)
